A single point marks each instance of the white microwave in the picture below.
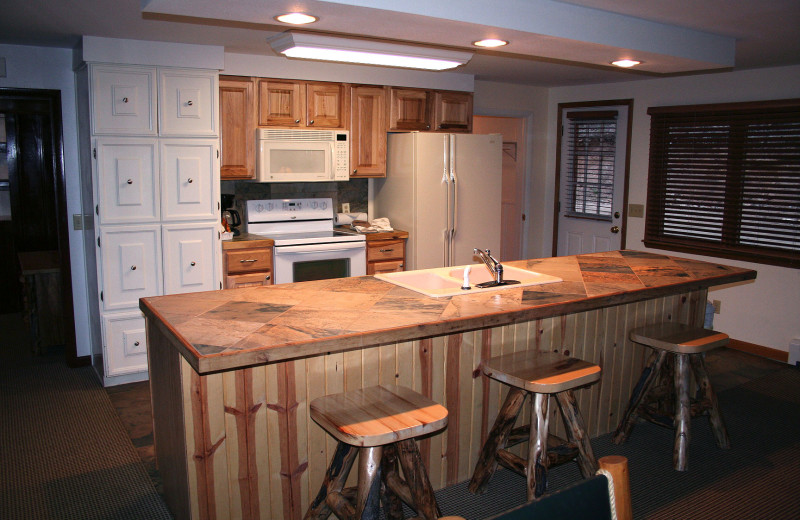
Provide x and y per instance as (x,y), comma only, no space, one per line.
(291,155)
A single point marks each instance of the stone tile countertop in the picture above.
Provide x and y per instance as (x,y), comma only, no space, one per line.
(234,328)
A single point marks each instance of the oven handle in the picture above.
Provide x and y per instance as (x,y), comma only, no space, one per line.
(315,248)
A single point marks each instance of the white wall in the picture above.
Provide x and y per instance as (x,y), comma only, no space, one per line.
(51,68)
(765,312)
(507,100)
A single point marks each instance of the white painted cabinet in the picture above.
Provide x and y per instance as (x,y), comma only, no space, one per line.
(126,338)
(127,185)
(123,100)
(155,182)
(189,182)
(188,102)
(190,258)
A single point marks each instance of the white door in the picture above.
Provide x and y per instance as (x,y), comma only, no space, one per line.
(189,179)
(191,258)
(593,155)
(127,181)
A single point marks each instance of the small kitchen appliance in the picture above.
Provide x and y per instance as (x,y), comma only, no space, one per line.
(295,155)
(307,247)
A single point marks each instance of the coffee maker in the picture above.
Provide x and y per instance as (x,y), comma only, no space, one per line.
(229,215)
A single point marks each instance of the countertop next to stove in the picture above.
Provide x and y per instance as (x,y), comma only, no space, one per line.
(246,240)
(235,328)
(388,235)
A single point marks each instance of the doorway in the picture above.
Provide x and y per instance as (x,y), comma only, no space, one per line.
(592,171)
(34,212)
(513,179)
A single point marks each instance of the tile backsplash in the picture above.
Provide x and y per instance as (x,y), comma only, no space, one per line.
(353,191)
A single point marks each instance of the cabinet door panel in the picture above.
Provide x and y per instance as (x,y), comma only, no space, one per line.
(123,100)
(280,103)
(127,185)
(237,128)
(409,109)
(131,259)
(453,111)
(189,179)
(125,343)
(325,103)
(190,258)
(188,102)
(368,132)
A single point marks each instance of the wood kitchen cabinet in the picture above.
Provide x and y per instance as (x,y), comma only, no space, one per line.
(452,111)
(367,131)
(238,127)
(247,263)
(386,256)
(302,104)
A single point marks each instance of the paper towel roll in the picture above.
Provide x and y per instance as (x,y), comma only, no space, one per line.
(345,219)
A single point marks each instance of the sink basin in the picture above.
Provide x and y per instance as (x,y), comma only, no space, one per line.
(446,281)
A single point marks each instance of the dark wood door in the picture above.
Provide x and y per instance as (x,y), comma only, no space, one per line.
(37,188)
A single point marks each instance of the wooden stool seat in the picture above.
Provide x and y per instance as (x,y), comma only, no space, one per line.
(539,374)
(379,424)
(664,400)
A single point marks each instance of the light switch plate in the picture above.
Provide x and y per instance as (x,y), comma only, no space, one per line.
(77,222)
(636,210)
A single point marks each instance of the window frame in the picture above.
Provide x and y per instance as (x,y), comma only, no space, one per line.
(668,174)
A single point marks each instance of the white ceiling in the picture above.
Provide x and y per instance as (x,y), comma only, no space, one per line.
(553,43)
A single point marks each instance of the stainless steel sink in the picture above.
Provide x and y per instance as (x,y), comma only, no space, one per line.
(447,281)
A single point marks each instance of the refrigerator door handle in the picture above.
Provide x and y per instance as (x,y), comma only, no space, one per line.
(447,245)
(454,214)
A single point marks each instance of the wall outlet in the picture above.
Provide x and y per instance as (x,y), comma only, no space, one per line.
(345,207)
(636,210)
(717,306)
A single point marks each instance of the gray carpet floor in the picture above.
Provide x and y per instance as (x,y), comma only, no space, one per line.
(64,453)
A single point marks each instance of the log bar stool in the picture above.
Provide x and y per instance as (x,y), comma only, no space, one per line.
(540,374)
(687,346)
(380,423)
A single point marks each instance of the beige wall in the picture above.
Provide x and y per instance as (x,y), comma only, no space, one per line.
(765,312)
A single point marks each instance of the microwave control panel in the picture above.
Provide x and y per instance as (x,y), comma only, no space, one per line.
(341,159)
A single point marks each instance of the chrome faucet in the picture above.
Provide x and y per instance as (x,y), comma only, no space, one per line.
(494,267)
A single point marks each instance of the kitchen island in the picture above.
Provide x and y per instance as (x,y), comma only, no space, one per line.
(232,372)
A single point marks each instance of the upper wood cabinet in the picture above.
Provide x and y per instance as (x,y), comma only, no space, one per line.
(301,104)
(238,129)
(409,109)
(452,111)
(367,131)
(441,111)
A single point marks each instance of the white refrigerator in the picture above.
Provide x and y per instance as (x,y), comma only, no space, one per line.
(444,189)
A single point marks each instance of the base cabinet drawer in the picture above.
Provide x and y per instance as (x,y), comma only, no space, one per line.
(126,343)
(386,256)
(391,266)
(248,260)
(237,281)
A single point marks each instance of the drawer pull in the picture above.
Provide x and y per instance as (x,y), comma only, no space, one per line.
(385,250)
(251,261)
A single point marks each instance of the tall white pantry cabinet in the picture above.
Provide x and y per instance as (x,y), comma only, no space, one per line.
(150,168)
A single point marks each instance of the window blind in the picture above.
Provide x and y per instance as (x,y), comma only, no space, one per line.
(724,180)
(591,148)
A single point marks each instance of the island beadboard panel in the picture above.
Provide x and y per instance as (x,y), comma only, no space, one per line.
(250,449)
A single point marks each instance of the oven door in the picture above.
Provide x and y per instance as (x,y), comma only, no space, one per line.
(320,261)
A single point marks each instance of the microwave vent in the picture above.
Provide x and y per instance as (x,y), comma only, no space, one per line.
(288,134)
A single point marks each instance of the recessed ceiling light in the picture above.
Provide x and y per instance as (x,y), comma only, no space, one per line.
(626,63)
(490,42)
(296,18)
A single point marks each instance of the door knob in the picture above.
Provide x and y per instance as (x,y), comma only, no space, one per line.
(615,229)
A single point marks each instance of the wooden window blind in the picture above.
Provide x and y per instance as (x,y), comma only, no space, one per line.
(724,180)
(591,151)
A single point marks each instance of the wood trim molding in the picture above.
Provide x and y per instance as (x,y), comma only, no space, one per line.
(759,350)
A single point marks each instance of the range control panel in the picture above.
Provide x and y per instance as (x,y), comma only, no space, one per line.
(273,210)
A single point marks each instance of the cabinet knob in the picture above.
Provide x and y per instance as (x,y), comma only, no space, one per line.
(189,103)
(124,100)
(268,277)
(130,181)
(427,127)
(133,268)
(311,122)
(355,170)
(296,120)
(193,264)
(190,180)
(135,343)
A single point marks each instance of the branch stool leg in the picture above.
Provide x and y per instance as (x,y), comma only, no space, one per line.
(576,432)
(417,480)
(640,391)
(683,412)
(369,483)
(709,396)
(497,439)
(335,478)
(536,471)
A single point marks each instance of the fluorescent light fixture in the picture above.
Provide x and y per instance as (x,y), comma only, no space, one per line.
(296,18)
(365,52)
(626,63)
(490,42)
